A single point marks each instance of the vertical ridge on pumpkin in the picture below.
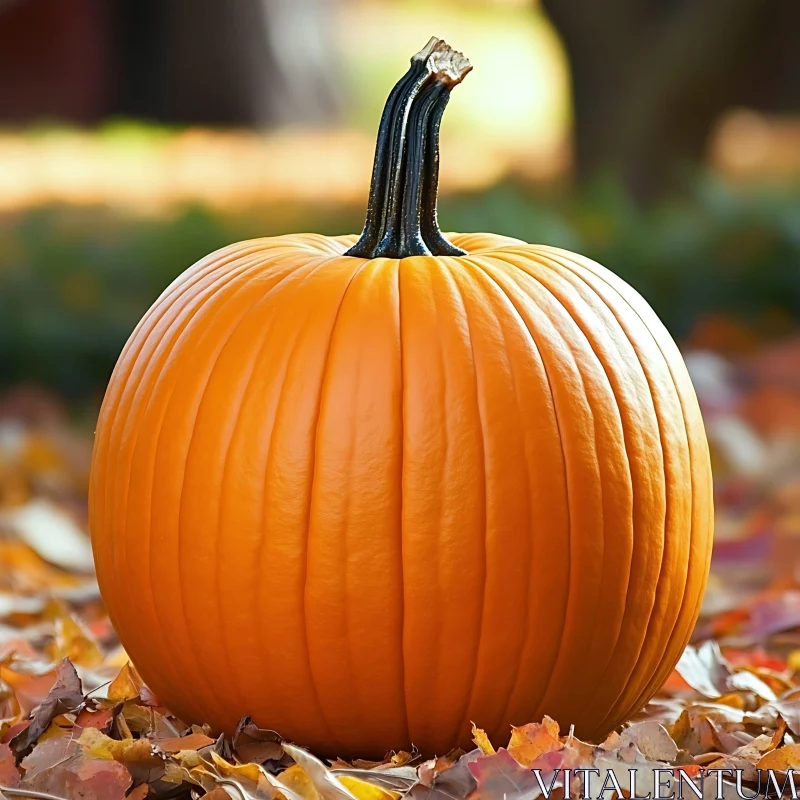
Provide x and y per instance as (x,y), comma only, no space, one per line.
(451,276)
(287,403)
(354,523)
(501,343)
(645,502)
(441,512)
(163,351)
(651,325)
(571,265)
(613,560)
(178,325)
(579,436)
(612,460)
(675,367)
(187,390)
(401,494)
(507,290)
(245,351)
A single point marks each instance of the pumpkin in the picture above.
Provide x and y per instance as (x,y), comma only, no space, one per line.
(368,490)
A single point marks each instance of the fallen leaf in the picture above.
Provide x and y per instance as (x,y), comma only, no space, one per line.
(395,779)
(297,781)
(53,534)
(66,695)
(72,641)
(455,782)
(251,743)
(783,758)
(100,719)
(707,671)
(528,742)
(704,669)
(194,741)
(652,740)
(128,751)
(482,740)
(9,774)
(126,686)
(325,782)
(217,793)
(501,777)
(58,767)
(626,764)
(364,790)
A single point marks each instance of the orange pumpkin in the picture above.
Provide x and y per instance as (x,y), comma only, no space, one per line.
(369,492)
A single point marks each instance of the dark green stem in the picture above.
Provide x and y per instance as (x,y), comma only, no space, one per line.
(430,221)
(401,212)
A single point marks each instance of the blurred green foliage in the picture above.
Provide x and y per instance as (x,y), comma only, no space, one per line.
(74,282)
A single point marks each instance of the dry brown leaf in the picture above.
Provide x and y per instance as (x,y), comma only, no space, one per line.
(652,740)
(65,695)
(251,743)
(502,777)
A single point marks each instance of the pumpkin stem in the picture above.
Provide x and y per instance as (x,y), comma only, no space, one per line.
(401,211)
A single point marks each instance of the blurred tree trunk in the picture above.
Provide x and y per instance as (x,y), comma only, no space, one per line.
(258,62)
(650,77)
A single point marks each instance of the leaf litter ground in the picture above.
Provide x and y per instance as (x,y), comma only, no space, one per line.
(76,721)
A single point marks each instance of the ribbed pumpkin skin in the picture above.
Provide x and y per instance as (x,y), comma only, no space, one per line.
(368,501)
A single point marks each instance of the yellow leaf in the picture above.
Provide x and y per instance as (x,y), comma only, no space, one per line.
(126,685)
(189,759)
(296,780)
(482,740)
(734,700)
(77,644)
(55,731)
(793,661)
(173,774)
(530,741)
(367,791)
(250,771)
(98,745)
(781,759)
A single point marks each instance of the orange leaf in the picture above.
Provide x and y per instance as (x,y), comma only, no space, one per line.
(532,740)
(194,741)
(781,759)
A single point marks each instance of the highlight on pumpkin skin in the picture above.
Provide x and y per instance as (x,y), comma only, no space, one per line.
(401,211)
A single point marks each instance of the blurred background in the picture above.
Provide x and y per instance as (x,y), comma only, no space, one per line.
(661,138)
